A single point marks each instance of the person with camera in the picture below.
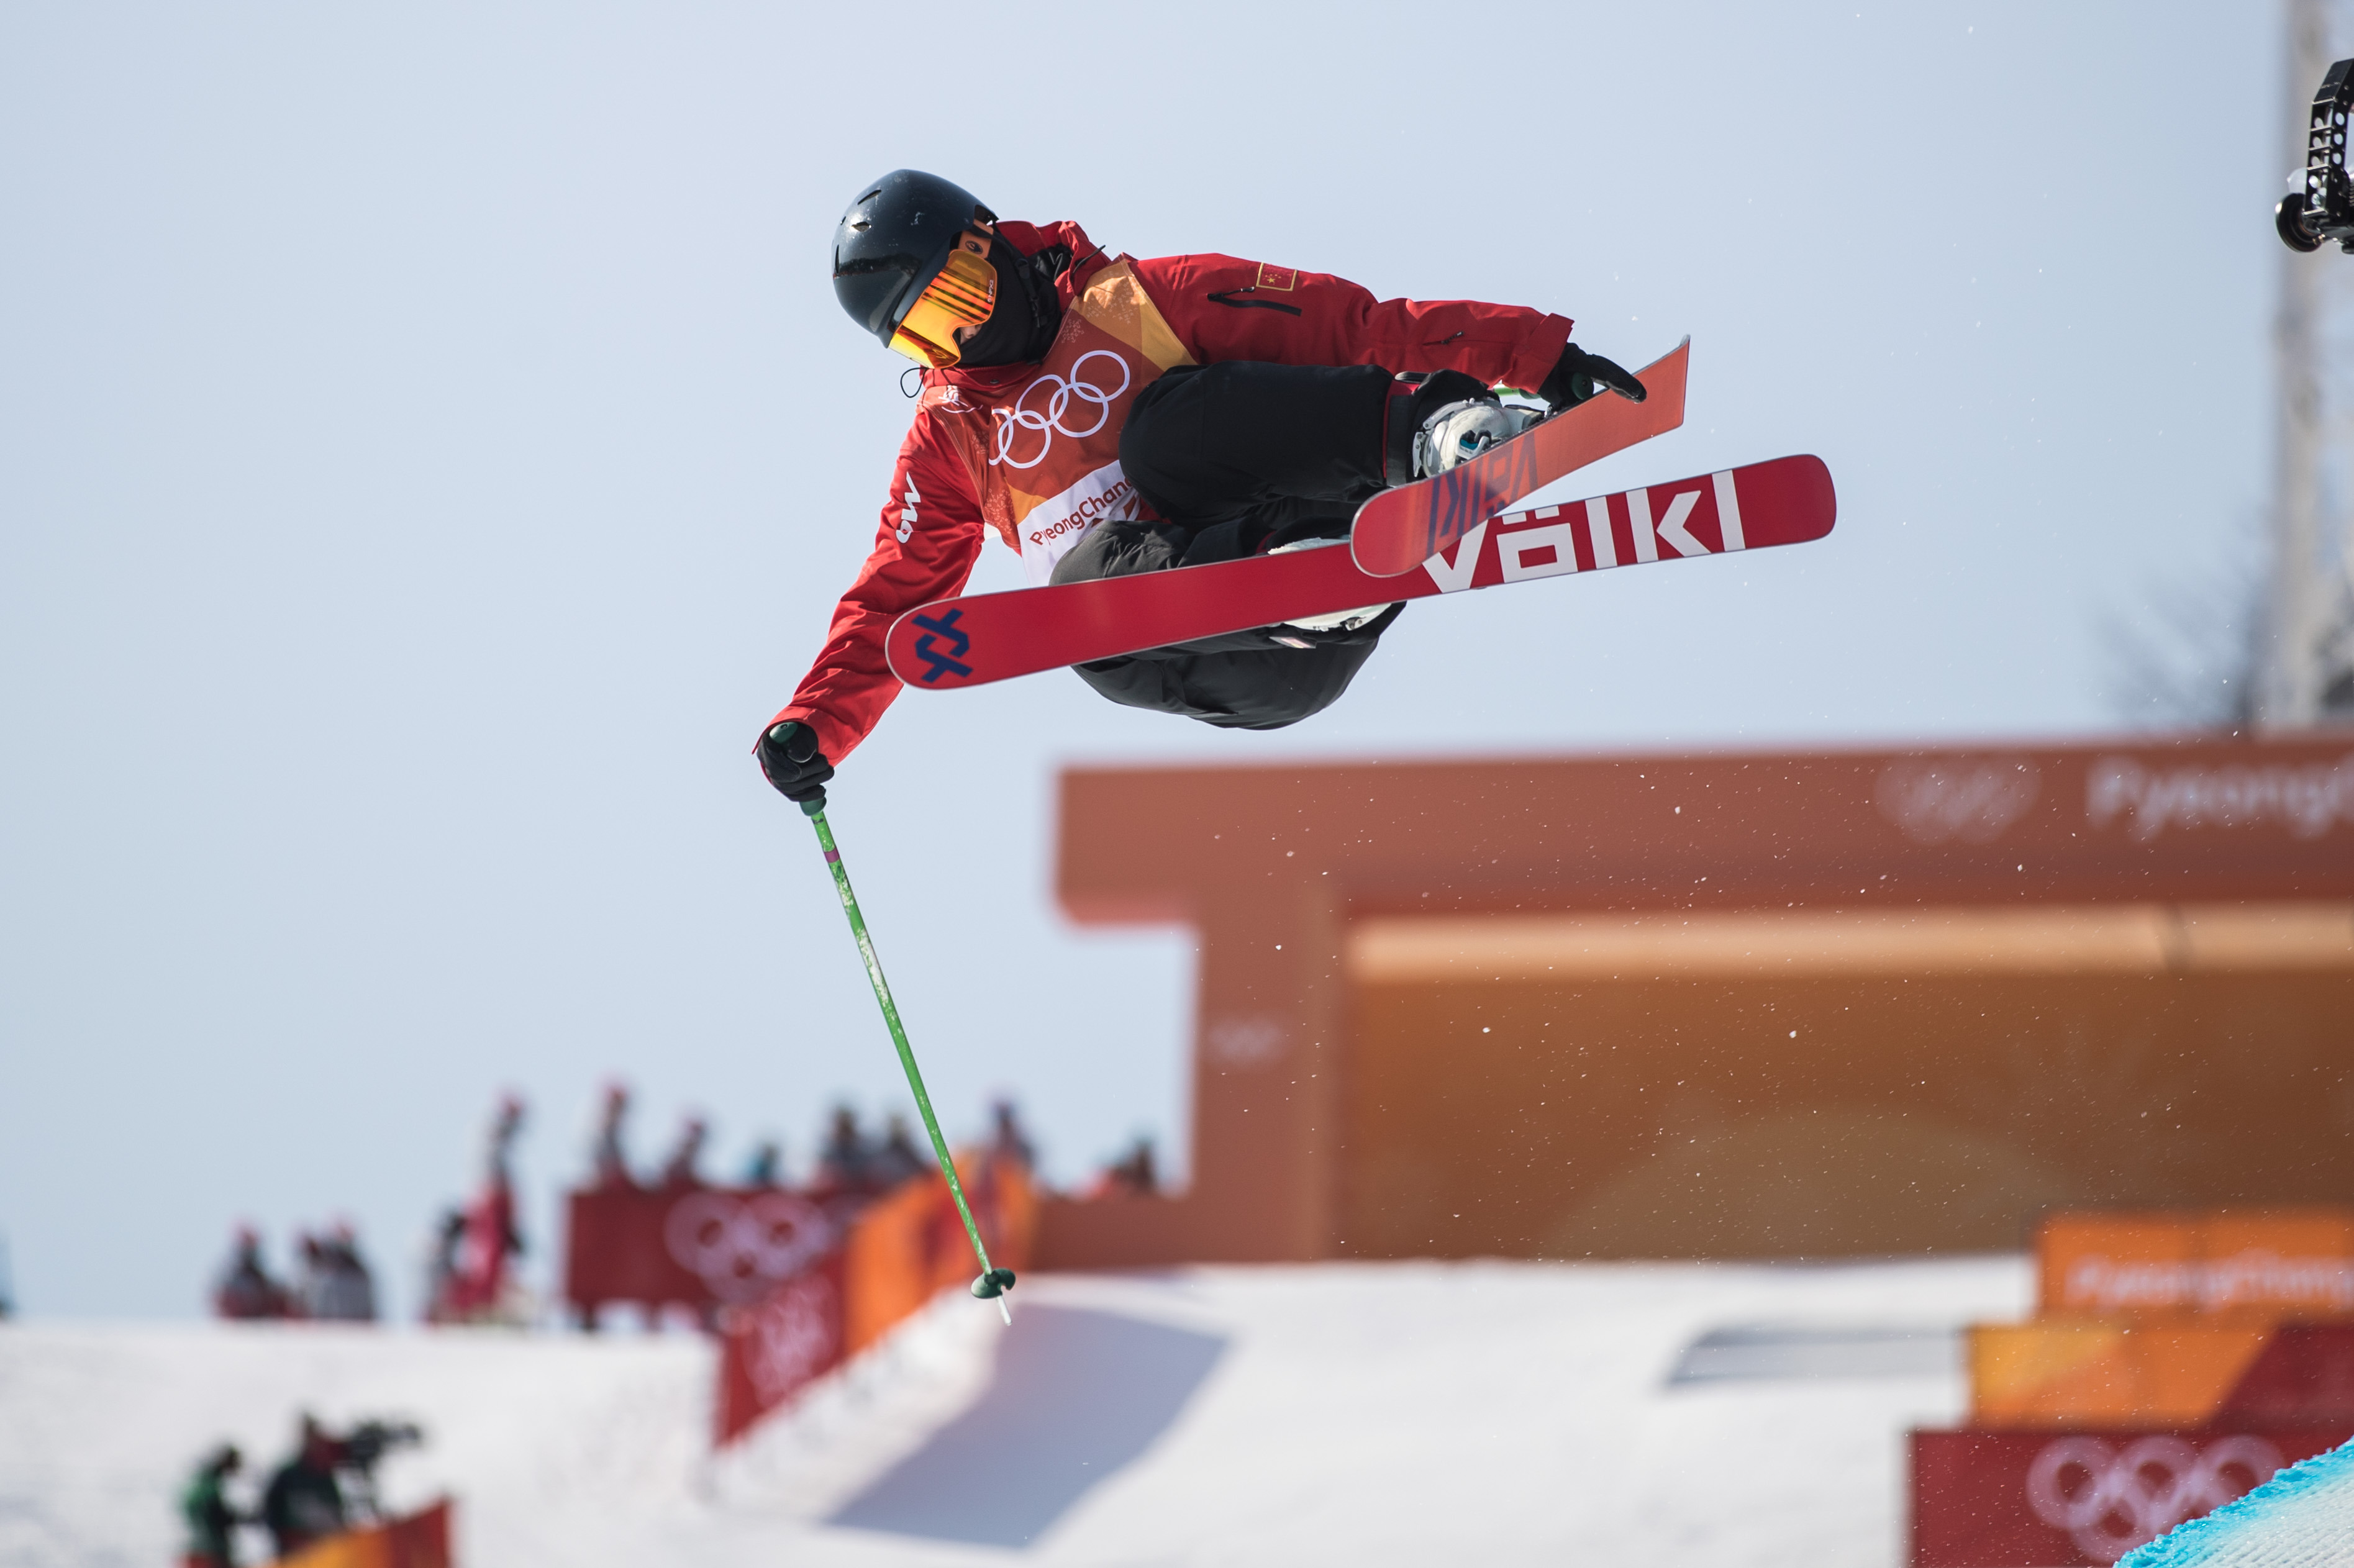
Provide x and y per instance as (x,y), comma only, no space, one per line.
(304,1502)
(211,1518)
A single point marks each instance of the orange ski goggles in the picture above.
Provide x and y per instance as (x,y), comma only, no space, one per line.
(960,294)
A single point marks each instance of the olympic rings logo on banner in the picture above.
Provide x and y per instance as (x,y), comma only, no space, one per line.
(1972,801)
(2110,1500)
(740,1248)
(793,1338)
(1057,404)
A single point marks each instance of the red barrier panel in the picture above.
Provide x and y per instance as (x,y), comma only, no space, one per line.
(899,1253)
(2010,1498)
(793,1286)
(769,1353)
(420,1540)
(2304,1376)
(701,1247)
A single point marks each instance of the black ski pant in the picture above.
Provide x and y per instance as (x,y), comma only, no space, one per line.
(1240,456)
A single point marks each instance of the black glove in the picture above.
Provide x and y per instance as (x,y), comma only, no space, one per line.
(1580,375)
(789,757)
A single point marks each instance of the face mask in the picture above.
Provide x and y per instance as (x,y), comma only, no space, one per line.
(1022,325)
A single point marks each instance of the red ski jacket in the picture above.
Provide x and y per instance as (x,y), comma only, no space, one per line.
(1031,452)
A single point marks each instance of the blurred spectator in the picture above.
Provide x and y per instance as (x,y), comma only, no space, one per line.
(304,1284)
(245,1289)
(1131,1173)
(766,1167)
(898,1159)
(479,1287)
(1008,1138)
(441,1267)
(303,1502)
(612,1161)
(845,1163)
(335,1285)
(205,1506)
(679,1171)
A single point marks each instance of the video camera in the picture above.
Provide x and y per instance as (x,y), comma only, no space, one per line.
(365,1445)
(357,1453)
(2323,210)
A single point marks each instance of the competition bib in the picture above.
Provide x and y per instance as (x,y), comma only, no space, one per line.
(1048,464)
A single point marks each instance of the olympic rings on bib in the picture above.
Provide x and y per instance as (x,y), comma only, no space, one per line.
(1058,403)
(740,1248)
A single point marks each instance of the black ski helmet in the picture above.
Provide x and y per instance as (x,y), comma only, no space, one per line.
(892,242)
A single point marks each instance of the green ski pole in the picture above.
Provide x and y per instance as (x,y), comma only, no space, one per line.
(993,1282)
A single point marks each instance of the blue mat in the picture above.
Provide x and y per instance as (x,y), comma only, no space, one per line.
(2302,1518)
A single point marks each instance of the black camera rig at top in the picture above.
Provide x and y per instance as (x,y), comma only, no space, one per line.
(2324,209)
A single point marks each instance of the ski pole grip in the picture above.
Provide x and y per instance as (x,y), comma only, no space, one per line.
(812,805)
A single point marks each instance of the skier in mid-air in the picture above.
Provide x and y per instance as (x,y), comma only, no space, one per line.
(1106,416)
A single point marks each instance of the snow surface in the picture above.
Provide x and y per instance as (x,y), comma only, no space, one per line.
(2302,1518)
(1398,1413)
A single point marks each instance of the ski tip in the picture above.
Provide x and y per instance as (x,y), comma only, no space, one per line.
(1675,369)
(1679,357)
(1820,495)
(994,1283)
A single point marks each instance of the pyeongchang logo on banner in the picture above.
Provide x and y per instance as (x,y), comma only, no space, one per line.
(2308,799)
(2255,1277)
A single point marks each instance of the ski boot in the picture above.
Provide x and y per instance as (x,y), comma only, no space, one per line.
(1440,420)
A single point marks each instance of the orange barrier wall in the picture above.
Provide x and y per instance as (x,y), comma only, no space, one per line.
(2058,1372)
(2262,1264)
(1764,1116)
(419,1540)
(899,1253)
(910,1246)
(1733,1004)
(2157,1318)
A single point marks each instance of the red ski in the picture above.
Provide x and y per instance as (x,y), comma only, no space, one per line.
(1399,529)
(995,636)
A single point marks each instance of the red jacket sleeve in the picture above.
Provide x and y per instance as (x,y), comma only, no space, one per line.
(1227,309)
(929,537)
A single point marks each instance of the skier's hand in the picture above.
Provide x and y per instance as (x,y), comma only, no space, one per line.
(791,761)
(1580,375)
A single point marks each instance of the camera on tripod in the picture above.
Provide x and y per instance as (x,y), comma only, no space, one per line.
(360,1451)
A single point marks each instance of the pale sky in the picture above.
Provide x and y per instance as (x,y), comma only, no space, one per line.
(429,450)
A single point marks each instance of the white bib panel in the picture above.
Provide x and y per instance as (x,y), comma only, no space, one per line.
(1054,525)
